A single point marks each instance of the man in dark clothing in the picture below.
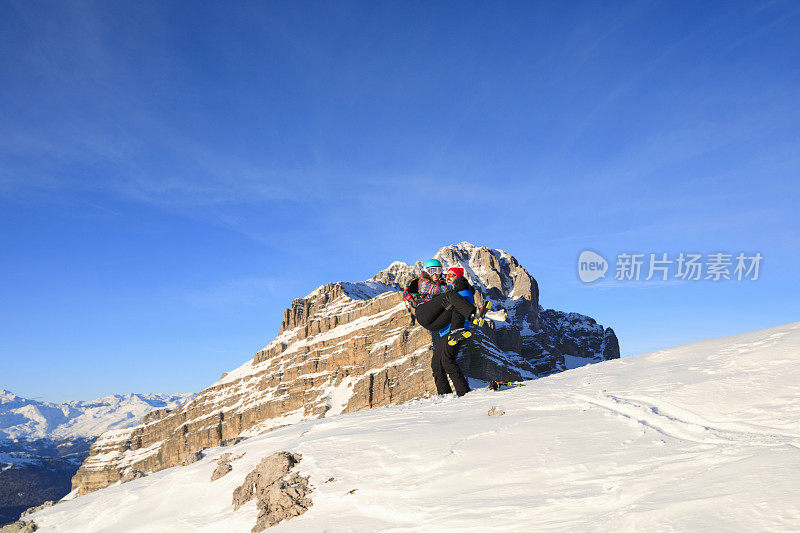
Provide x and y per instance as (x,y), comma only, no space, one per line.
(451,311)
(443,364)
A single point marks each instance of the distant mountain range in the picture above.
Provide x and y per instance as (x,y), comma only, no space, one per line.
(43,443)
(21,418)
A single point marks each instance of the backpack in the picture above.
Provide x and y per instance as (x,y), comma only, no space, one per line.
(411,297)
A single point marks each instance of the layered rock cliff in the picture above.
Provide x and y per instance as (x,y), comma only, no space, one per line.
(351,346)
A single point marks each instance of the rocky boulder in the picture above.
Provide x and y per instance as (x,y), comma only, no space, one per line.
(20,526)
(32,510)
(280,495)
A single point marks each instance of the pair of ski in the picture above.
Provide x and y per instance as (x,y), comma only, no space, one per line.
(454,337)
(503,385)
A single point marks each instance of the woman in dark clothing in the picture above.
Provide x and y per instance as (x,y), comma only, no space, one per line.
(443,305)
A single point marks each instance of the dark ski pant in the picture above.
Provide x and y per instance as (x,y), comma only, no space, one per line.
(448,308)
(444,364)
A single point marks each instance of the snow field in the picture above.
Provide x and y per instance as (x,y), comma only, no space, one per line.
(704,436)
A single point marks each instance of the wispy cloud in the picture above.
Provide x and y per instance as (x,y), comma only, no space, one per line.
(233,293)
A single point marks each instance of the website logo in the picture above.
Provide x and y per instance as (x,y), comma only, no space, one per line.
(591,266)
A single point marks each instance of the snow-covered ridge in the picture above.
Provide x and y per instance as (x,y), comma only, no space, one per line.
(359,290)
(699,437)
(499,276)
(24,419)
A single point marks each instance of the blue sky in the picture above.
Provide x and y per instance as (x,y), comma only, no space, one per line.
(172,175)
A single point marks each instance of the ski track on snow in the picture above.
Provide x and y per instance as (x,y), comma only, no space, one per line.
(684,425)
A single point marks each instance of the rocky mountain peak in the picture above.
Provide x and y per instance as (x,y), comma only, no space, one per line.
(348,346)
(496,274)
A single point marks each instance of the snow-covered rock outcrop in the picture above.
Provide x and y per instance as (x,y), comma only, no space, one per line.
(350,346)
(699,437)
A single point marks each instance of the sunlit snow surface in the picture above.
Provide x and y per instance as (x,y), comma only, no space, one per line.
(704,436)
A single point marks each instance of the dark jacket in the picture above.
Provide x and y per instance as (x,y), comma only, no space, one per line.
(462,286)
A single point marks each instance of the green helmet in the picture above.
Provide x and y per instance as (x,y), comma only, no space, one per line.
(433,263)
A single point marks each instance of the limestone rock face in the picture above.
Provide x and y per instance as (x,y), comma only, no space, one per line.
(224,466)
(129,475)
(20,526)
(223,469)
(48,503)
(191,458)
(279,495)
(351,346)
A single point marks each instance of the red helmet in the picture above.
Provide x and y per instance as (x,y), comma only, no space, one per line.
(458,271)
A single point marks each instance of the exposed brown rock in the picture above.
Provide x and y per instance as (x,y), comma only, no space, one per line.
(280,495)
(192,458)
(32,510)
(130,475)
(20,526)
(224,466)
(221,470)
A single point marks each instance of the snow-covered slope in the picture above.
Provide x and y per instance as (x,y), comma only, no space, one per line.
(704,436)
(21,418)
